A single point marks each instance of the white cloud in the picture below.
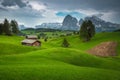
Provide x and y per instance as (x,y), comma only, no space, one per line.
(109,16)
(49,17)
(13,7)
(36,5)
(88,12)
(105,15)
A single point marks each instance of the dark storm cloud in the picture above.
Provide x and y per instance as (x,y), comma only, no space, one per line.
(84,4)
(3,9)
(20,3)
(102,6)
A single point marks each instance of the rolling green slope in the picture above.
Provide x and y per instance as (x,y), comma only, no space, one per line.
(52,62)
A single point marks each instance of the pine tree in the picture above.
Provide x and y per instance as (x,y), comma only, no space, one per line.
(87,30)
(6,27)
(1,28)
(46,38)
(91,29)
(14,26)
(65,43)
(38,36)
(83,31)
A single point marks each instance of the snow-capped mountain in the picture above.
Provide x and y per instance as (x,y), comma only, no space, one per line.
(49,25)
(71,23)
(100,24)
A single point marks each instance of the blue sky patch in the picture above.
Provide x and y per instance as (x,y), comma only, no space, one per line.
(74,14)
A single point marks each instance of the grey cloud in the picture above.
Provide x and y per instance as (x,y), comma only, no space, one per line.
(20,3)
(29,17)
(84,4)
(98,15)
(102,6)
(27,13)
(3,9)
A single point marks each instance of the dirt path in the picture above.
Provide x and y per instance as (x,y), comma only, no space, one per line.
(104,49)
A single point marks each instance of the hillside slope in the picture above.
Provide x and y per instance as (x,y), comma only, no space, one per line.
(53,62)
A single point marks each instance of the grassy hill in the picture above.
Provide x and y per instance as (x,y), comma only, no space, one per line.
(53,62)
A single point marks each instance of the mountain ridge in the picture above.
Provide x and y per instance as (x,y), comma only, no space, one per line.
(71,23)
(101,25)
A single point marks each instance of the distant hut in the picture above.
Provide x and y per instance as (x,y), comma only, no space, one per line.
(31,42)
(31,37)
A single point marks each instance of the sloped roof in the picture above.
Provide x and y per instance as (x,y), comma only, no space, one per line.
(32,36)
(30,41)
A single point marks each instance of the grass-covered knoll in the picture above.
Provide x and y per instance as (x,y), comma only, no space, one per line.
(53,62)
(76,43)
(12,45)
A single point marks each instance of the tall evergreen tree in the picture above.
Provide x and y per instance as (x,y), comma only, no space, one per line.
(83,31)
(87,30)
(91,29)
(1,28)
(7,28)
(65,43)
(14,26)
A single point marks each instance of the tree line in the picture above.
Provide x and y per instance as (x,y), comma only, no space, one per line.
(9,28)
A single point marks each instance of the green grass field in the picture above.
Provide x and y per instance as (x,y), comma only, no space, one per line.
(53,62)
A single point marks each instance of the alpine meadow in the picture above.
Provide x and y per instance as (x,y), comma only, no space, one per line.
(59,40)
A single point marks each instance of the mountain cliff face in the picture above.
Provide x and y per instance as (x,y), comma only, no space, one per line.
(69,23)
(101,25)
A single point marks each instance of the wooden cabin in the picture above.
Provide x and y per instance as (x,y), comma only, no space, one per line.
(31,42)
(31,37)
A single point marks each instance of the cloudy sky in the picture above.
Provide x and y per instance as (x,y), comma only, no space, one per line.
(34,12)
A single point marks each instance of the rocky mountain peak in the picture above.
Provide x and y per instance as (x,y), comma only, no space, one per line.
(70,23)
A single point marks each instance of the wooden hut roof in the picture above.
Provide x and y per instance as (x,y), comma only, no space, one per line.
(32,36)
(30,41)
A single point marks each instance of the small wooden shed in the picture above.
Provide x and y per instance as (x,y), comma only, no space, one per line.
(31,37)
(31,42)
